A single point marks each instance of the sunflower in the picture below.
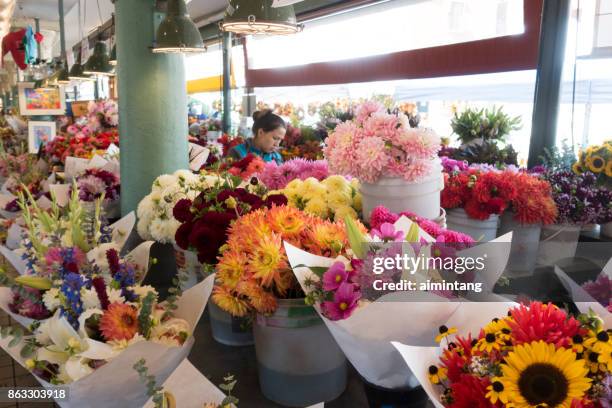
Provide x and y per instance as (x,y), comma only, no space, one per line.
(490,342)
(609,169)
(600,342)
(537,373)
(499,327)
(495,392)
(444,332)
(578,343)
(119,322)
(437,374)
(577,168)
(596,163)
(592,362)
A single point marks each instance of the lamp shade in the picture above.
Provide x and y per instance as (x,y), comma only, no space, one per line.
(177,33)
(77,73)
(259,17)
(98,64)
(113,56)
(63,77)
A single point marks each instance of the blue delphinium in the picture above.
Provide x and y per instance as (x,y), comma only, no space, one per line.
(72,306)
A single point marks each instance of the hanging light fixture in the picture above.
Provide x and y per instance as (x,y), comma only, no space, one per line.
(112,59)
(260,17)
(63,77)
(98,62)
(177,32)
(76,71)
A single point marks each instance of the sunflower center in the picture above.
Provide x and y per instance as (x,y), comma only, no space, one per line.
(433,370)
(543,383)
(497,386)
(603,336)
(490,338)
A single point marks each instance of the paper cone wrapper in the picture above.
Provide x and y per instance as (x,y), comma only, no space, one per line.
(116,384)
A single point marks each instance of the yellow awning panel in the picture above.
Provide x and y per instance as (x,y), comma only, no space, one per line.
(210,84)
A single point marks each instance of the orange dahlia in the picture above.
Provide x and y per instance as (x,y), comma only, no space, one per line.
(230,302)
(287,221)
(267,258)
(119,322)
(231,268)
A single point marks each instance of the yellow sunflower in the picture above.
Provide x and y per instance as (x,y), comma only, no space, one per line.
(577,168)
(444,332)
(495,392)
(596,163)
(437,374)
(609,169)
(490,342)
(539,374)
(600,342)
(499,327)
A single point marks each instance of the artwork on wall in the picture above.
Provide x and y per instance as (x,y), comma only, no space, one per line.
(39,133)
(41,101)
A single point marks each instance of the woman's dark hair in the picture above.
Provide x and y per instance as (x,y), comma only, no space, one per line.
(267,121)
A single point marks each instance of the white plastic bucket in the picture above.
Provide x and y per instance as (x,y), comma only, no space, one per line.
(558,241)
(398,195)
(606,229)
(481,230)
(525,242)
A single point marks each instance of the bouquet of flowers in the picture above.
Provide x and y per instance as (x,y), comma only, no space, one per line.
(102,114)
(533,202)
(479,193)
(601,290)
(532,356)
(206,219)
(253,270)
(598,160)
(576,196)
(334,198)
(155,211)
(95,184)
(244,168)
(302,142)
(277,176)
(82,144)
(376,144)
(363,317)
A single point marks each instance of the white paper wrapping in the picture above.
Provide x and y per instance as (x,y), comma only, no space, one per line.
(191,389)
(409,317)
(197,156)
(584,301)
(117,384)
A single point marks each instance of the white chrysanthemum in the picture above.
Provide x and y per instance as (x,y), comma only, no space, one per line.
(146,207)
(142,291)
(90,300)
(51,299)
(170,332)
(164,230)
(143,228)
(98,255)
(164,181)
(114,295)
(186,175)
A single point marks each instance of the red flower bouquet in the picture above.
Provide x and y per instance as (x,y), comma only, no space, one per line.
(244,168)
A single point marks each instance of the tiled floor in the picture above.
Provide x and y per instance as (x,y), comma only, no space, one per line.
(14,375)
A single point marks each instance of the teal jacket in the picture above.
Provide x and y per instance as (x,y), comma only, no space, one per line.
(242,150)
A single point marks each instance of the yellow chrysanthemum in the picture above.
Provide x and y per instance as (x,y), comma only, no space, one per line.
(230,269)
(336,183)
(538,373)
(317,206)
(338,199)
(266,259)
(341,213)
(229,302)
(596,163)
(328,235)
(287,221)
(262,301)
(358,202)
(294,184)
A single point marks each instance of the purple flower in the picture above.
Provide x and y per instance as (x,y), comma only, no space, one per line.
(600,289)
(606,400)
(345,301)
(387,232)
(452,165)
(334,277)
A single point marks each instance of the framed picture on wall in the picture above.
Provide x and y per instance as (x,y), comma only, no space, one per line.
(39,133)
(41,101)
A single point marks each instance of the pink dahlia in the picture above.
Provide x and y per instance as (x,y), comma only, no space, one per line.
(363,111)
(370,158)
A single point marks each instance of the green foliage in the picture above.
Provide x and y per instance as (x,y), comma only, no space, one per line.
(228,387)
(487,152)
(153,390)
(175,293)
(484,124)
(144,317)
(557,159)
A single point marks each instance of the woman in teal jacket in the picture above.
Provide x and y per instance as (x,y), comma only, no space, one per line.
(268,133)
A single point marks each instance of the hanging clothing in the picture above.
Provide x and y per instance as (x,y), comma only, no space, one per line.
(12,43)
(30,45)
(241,151)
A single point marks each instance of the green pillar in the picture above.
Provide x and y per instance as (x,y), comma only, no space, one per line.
(152,104)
